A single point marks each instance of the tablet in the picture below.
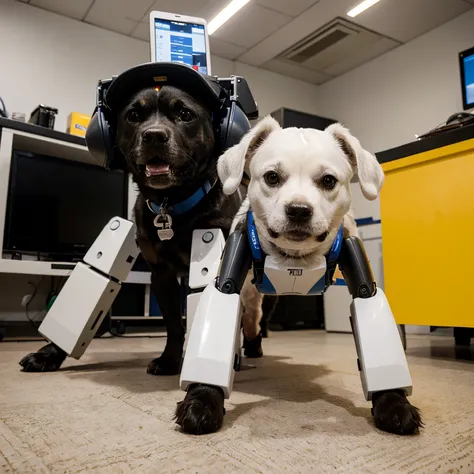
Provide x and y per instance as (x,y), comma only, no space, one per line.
(181,39)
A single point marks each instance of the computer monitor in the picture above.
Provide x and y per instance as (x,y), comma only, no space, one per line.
(466,62)
(181,39)
(56,208)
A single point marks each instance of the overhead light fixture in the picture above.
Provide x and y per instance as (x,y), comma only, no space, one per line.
(362,7)
(228,12)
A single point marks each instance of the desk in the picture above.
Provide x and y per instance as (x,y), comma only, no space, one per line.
(427,213)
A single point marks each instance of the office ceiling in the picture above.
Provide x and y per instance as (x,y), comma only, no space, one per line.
(311,40)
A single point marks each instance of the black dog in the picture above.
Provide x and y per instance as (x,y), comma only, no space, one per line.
(168,143)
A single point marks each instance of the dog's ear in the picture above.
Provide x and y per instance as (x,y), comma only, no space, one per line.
(368,169)
(231,164)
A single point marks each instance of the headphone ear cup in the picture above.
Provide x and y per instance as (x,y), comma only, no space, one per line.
(233,128)
(99,139)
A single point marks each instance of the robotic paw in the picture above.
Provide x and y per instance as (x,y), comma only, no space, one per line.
(253,348)
(202,410)
(165,365)
(48,359)
(395,414)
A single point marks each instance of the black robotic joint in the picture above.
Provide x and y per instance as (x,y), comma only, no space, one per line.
(355,267)
(235,263)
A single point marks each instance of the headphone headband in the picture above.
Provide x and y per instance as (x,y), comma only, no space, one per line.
(229,100)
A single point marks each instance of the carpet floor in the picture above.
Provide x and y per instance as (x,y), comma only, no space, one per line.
(300,409)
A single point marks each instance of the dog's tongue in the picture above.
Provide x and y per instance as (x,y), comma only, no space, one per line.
(156,170)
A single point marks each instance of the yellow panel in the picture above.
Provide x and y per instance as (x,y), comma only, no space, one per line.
(427,211)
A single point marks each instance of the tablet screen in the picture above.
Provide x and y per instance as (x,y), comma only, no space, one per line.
(181,42)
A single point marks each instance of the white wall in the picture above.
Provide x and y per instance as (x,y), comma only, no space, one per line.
(55,61)
(272,91)
(50,59)
(405,92)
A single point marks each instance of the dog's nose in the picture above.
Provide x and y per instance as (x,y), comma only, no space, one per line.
(298,212)
(155,136)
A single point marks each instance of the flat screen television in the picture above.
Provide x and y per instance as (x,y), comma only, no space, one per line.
(56,208)
(466,63)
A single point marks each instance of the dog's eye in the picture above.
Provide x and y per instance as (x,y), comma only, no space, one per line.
(133,116)
(272,178)
(185,115)
(329,181)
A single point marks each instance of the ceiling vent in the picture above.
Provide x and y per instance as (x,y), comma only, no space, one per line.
(329,45)
(320,40)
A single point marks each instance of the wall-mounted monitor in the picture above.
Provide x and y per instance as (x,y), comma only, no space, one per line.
(466,63)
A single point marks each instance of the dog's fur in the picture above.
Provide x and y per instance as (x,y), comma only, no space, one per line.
(165,128)
(300,195)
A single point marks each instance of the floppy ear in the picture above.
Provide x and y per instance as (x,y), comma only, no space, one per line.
(365,165)
(231,164)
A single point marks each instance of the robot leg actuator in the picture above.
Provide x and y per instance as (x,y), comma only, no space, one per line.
(213,345)
(90,290)
(381,358)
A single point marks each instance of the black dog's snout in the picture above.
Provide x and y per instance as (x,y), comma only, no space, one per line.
(155,136)
(298,212)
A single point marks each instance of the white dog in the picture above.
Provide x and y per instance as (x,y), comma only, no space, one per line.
(300,194)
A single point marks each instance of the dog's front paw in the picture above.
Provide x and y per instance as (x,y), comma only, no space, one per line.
(165,366)
(253,347)
(202,410)
(48,359)
(395,414)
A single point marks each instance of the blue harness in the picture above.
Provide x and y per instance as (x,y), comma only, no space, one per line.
(181,207)
(262,282)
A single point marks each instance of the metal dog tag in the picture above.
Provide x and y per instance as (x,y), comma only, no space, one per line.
(164,222)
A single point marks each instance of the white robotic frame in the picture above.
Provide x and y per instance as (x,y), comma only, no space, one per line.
(93,285)
(213,347)
(213,342)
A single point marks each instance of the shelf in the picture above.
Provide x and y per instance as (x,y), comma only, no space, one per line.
(52,147)
(29,267)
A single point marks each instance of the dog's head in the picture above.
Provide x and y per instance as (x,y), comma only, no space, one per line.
(166,137)
(299,187)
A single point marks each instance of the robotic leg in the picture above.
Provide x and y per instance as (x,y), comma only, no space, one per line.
(86,297)
(213,347)
(206,250)
(381,359)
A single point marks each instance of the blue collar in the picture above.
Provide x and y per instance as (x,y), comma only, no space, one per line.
(180,207)
(258,254)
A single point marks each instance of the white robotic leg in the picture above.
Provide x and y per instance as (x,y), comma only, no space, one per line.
(90,290)
(213,346)
(206,251)
(211,356)
(381,358)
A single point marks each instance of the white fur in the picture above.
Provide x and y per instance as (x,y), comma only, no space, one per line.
(302,157)
(231,165)
(368,170)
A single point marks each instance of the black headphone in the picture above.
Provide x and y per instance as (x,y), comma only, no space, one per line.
(229,99)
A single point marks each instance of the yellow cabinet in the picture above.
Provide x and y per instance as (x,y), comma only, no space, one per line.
(427,213)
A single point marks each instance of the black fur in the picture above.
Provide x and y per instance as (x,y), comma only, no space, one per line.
(48,359)
(191,152)
(395,414)
(202,411)
(253,348)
